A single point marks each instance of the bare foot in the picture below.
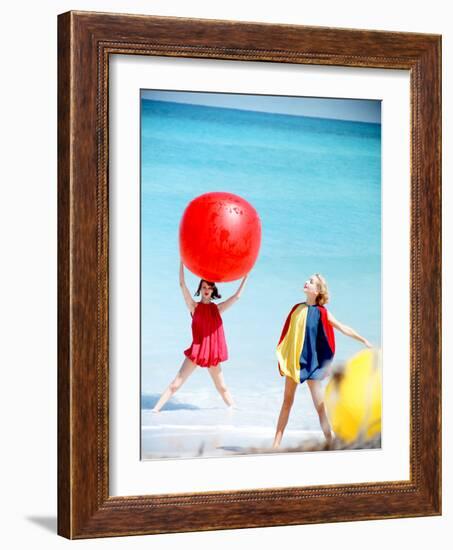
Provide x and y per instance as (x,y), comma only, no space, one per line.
(155,410)
(330,439)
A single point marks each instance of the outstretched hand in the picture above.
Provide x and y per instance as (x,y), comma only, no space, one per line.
(241,286)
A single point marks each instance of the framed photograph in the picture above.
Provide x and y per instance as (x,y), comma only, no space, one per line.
(294,173)
(245,209)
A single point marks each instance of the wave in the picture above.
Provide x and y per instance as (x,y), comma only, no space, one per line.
(252,430)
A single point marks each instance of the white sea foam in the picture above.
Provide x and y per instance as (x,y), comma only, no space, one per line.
(251,430)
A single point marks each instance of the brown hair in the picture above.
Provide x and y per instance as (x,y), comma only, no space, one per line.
(323,292)
(215,291)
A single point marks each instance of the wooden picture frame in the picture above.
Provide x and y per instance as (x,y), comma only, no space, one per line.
(85,42)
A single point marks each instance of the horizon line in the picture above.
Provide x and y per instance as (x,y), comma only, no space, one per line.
(260,111)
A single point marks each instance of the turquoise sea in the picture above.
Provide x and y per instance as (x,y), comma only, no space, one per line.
(316,184)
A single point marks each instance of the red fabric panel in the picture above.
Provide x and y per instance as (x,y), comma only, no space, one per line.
(328,328)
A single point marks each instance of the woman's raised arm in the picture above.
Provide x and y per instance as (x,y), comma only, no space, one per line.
(230,301)
(190,302)
(348,331)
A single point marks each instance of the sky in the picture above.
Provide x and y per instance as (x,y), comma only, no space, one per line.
(360,110)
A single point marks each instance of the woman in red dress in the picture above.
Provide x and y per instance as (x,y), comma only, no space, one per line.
(208,348)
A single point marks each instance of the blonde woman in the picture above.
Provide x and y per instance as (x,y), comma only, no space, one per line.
(305,350)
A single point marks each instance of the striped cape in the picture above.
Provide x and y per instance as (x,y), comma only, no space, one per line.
(303,357)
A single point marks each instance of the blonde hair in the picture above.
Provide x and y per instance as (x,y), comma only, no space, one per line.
(323,292)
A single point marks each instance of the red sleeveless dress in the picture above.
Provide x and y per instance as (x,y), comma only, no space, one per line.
(208,347)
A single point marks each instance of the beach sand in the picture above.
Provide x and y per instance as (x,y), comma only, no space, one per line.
(214,432)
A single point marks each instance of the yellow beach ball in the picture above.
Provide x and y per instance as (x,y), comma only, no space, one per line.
(354,397)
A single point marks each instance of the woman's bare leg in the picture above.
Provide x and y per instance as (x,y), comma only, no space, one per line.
(288,400)
(184,372)
(219,382)
(317,395)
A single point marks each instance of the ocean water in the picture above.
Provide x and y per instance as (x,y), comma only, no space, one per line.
(316,184)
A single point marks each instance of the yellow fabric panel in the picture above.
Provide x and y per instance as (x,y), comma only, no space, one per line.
(290,348)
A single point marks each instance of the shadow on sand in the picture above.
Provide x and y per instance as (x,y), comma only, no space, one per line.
(148,402)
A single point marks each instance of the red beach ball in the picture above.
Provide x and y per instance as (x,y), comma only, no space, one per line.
(219,237)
